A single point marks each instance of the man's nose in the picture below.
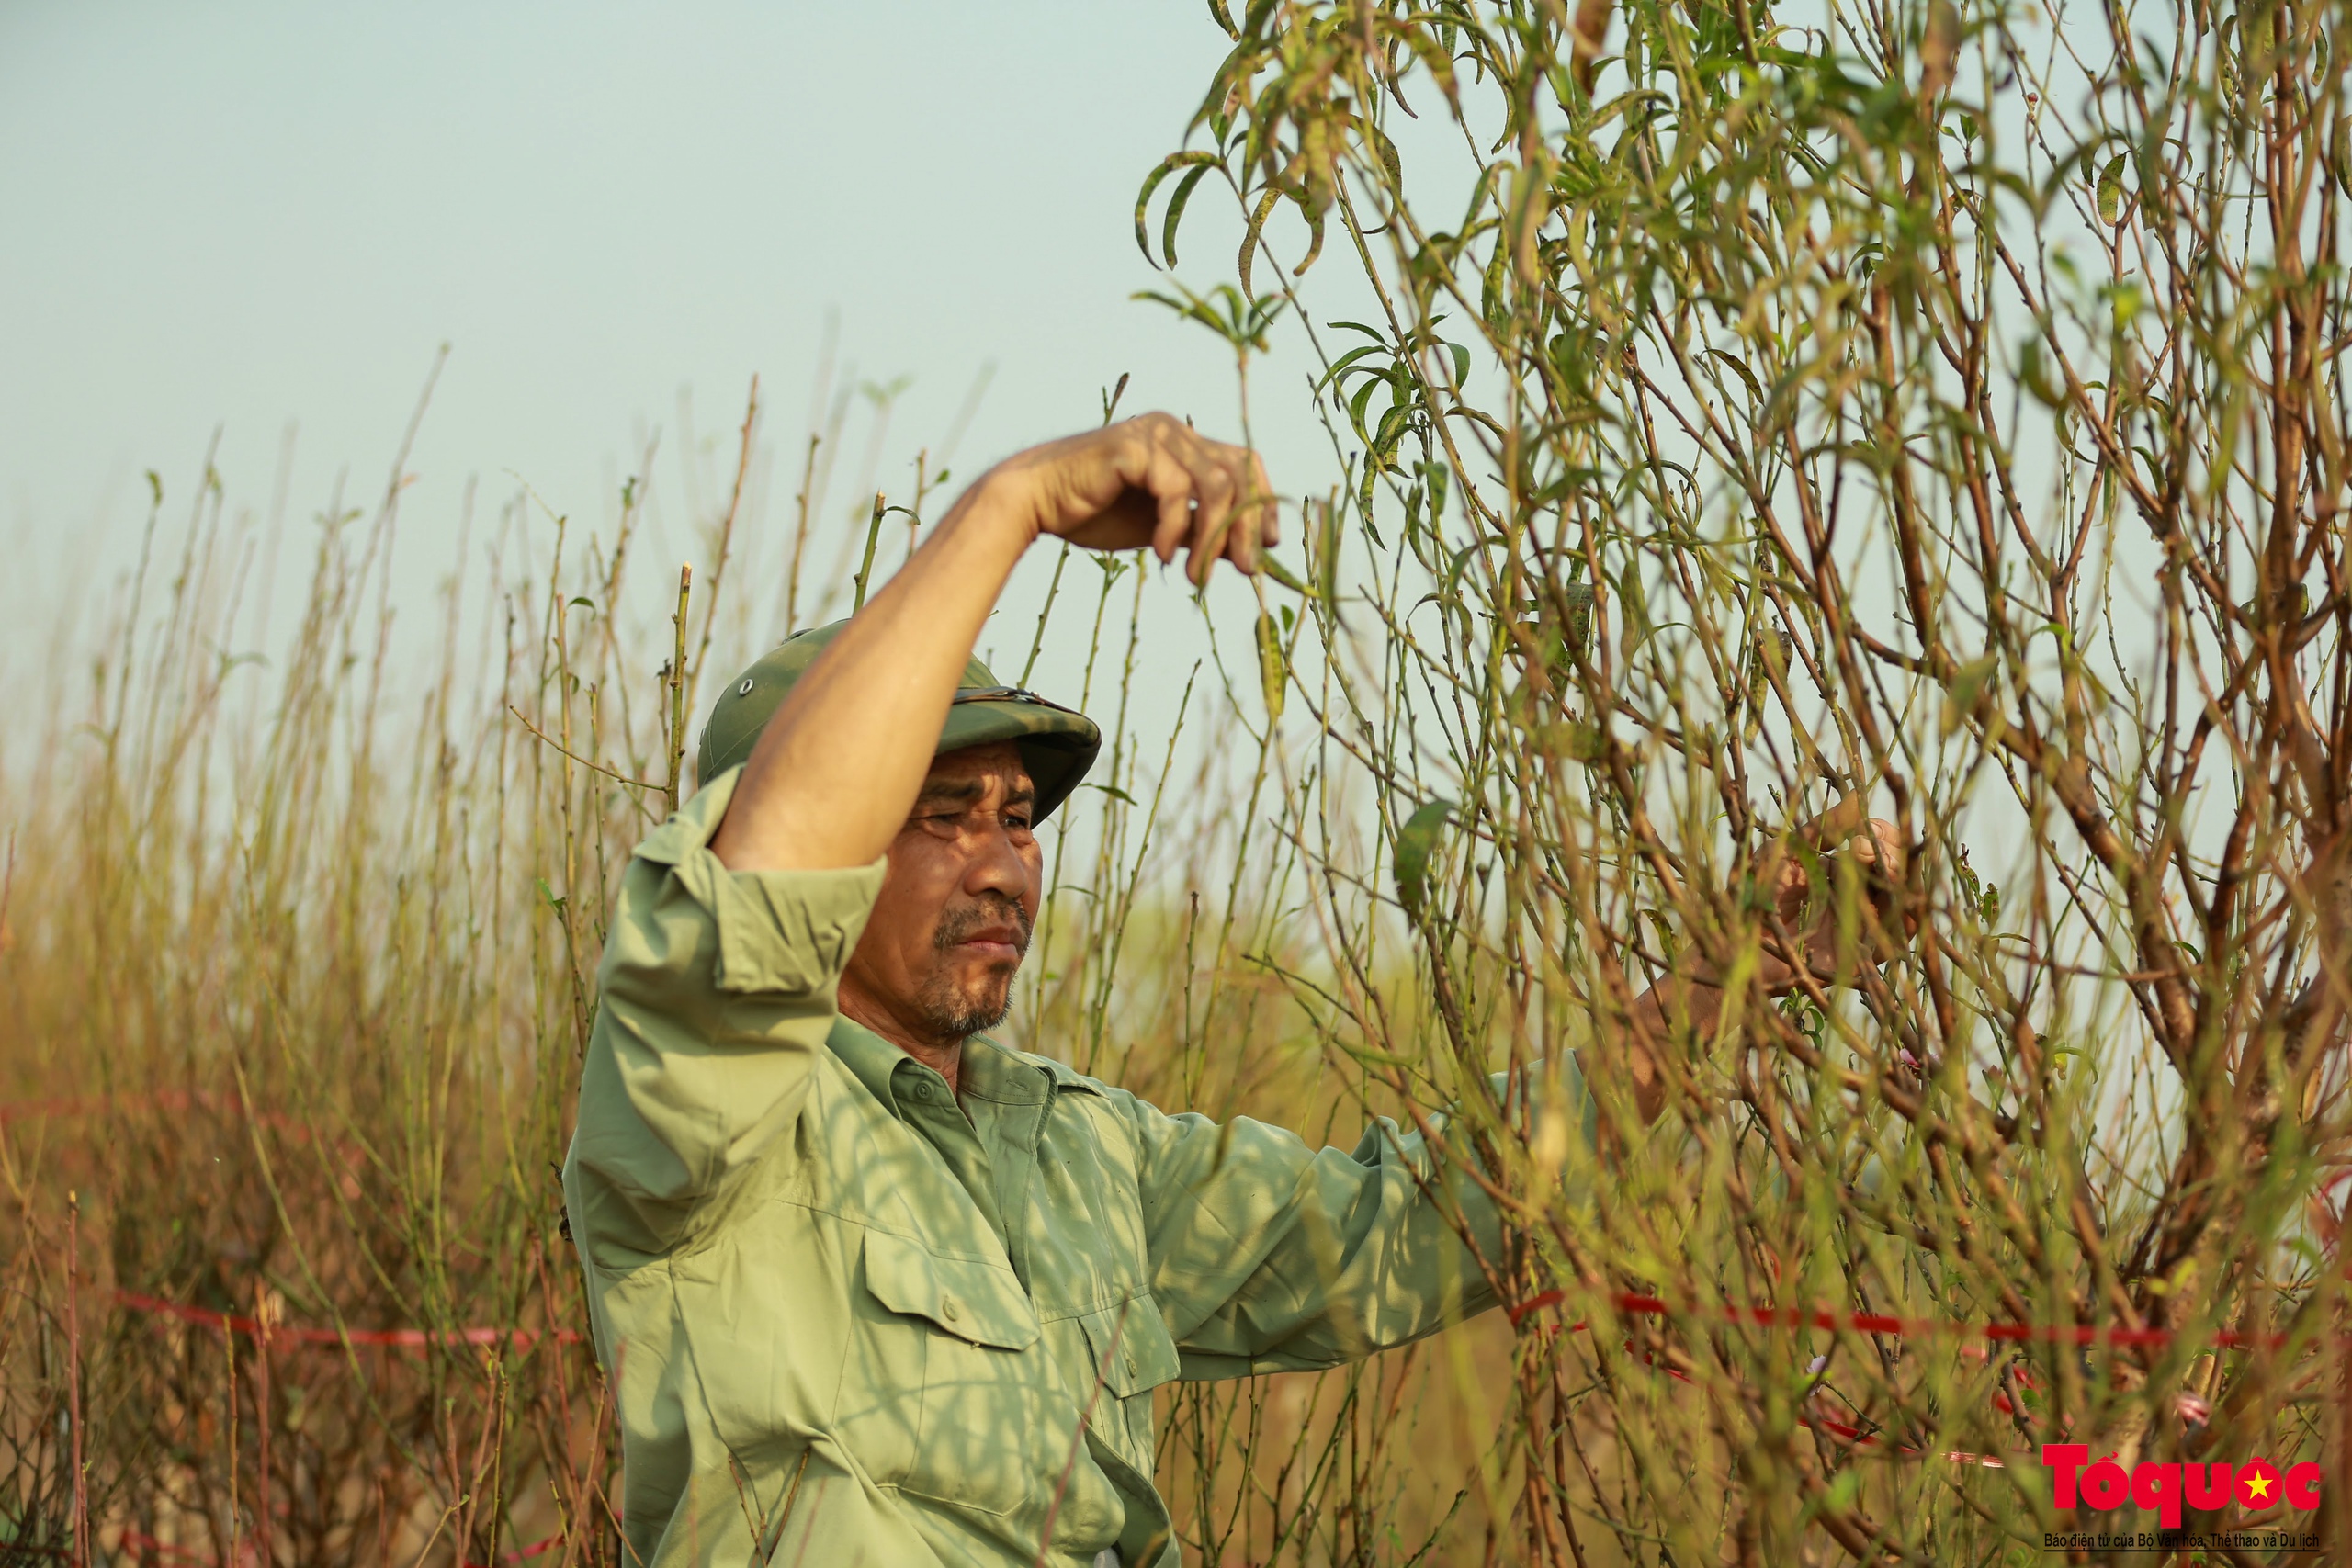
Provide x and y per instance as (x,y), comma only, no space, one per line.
(996,867)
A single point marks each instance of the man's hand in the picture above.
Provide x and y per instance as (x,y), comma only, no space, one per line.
(837,767)
(1850,852)
(1148,481)
(1852,856)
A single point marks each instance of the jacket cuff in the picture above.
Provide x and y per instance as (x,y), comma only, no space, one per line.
(779,931)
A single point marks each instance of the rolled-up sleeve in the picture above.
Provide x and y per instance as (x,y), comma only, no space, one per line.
(1269,1256)
(715,991)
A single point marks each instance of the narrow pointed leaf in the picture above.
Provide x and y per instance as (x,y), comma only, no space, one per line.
(1416,844)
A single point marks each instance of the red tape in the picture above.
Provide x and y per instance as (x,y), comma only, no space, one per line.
(397,1339)
(137,1548)
(169,1100)
(1628,1302)
(1836,1428)
(1647,1306)
(1913,1327)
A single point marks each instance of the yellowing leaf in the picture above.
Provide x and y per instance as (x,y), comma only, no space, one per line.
(2111,191)
(1577,598)
(1273,670)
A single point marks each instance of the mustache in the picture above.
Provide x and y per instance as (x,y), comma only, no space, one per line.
(960,923)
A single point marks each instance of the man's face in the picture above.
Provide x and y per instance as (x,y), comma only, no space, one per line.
(939,954)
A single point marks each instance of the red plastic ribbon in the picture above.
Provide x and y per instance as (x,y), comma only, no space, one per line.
(145,1548)
(398,1338)
(1875,1323)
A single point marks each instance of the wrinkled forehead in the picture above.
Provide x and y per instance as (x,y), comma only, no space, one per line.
(976,773)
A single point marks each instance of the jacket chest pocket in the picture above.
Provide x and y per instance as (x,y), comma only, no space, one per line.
(1134,1355)
(968,1425)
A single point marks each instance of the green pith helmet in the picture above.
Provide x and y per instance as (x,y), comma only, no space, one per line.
(1056,745)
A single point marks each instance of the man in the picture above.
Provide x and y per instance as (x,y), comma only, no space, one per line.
(869,1287)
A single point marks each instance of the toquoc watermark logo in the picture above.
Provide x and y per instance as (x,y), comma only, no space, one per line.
(2254,1485)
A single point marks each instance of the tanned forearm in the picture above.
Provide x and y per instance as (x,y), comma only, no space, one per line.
(838,766)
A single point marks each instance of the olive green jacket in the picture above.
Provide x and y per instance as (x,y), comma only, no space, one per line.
(851,1319)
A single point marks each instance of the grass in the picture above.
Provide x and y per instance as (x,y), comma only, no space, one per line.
(302,952)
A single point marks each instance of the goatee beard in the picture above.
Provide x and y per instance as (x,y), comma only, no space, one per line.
(950,1012)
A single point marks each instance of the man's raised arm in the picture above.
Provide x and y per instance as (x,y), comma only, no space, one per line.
(837,769)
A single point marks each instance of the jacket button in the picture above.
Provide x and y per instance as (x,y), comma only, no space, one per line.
(947,1308)
(1131,1363)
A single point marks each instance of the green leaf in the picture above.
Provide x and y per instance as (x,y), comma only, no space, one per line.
(1747,377)
(1434,60)
(1670,941)
(1258,216)
(2110,190)
(1339,367)
(1576,630)
(1416,842)
(1282,575)
(1356,405)
(1176,212)
(1238,67)
(1384,149)
(1314,242)
(1494,296)
(1326,558)
(2037,380)
(1273,670)
(1167,165)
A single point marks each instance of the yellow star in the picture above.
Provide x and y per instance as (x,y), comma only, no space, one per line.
(2258,1488)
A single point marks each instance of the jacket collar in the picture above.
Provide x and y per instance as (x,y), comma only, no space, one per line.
(989,1071)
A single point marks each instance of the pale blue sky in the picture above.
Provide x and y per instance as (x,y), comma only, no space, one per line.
(246,214)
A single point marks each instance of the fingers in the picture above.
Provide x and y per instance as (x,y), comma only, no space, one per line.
(1886,844)
(1844,831)
(1172,484)
(1832,827)
(1269,522)
(1215,489)
(1251,526)
(1840,936)
(1211,499)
